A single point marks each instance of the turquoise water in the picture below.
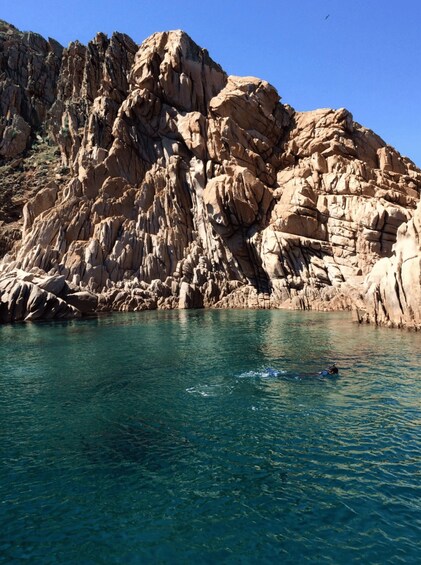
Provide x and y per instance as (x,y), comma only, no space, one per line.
(202,437)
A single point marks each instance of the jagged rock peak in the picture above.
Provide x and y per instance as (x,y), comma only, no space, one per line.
(5,27)
(33,40)
(176,70)
(179,41)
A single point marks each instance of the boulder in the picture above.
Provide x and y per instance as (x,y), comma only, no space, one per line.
(22,299)
(86,302)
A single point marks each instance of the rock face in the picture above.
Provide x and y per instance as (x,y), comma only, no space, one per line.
(393,288)
(29,69)
(190,188)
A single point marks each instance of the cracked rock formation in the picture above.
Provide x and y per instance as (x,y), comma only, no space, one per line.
(29,69)
(184,187)
(393,287)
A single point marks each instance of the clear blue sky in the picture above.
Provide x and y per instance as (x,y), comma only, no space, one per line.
(364,55)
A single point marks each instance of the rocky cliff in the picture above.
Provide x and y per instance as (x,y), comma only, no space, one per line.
(392,290)
(172,185)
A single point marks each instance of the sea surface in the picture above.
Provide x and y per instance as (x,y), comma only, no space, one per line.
(208,437)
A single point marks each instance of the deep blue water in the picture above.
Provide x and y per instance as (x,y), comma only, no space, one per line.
(204,437)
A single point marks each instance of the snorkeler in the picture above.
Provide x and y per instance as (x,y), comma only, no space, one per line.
(331,370)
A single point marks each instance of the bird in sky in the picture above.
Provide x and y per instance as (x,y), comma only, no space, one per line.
(328,16)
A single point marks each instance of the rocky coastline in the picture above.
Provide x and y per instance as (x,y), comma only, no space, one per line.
(144,177)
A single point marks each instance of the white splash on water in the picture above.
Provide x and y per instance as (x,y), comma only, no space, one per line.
(266,373)
(210,390)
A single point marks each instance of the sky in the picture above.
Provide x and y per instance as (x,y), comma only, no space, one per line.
(364,55)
